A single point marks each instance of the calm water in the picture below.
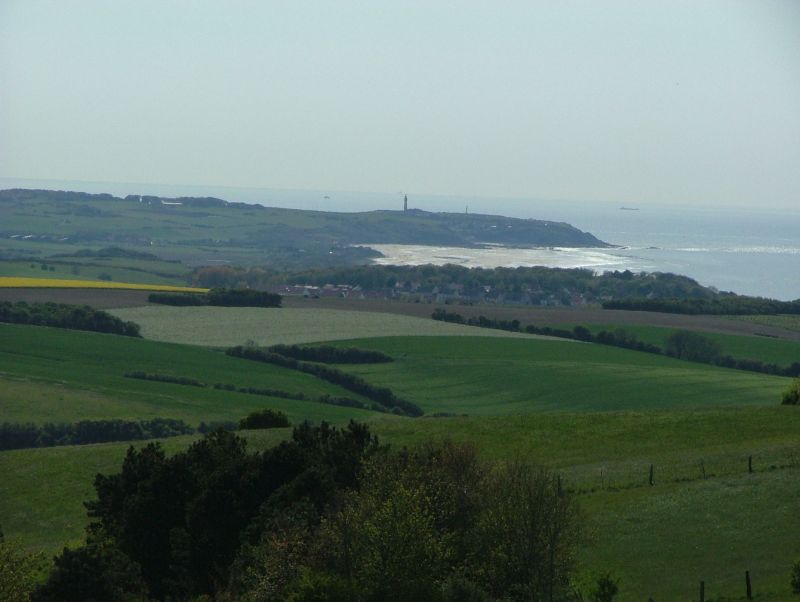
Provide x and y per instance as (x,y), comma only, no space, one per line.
(755,252)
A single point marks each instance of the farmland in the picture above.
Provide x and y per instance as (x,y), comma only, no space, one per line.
(19,282)
(787,322)
(771,326)
(221,327)
(115,269)
(598,415)
(58,375)
(517,376)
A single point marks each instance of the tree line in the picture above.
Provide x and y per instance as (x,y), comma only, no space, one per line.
(728,304)
(222,297)
(327,354)
(85,432)
(382,396)
(63,315)
(329,515)
(538,282)
(266,392)
(681,344)
(50,434)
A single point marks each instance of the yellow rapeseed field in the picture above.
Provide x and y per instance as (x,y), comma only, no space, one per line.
(13,282)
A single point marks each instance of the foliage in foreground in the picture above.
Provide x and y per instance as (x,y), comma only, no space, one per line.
(19,571)
(328,515)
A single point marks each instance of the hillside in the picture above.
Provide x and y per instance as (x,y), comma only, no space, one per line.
(209,230)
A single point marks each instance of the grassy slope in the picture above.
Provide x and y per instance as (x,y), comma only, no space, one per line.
(518,376)
(699,529)
(766,349)
(48,374)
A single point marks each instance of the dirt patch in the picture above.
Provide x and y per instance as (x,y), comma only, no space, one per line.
(98,298)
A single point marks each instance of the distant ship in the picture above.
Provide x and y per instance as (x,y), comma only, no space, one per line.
(629,209)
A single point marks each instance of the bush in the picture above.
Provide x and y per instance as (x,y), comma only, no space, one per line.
(791,396)
(264,419)
(605,590)
(795,578)
(95,572)
(691,346)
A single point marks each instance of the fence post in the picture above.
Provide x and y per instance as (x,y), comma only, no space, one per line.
(747,585)
(750,464)
(702,591)
(651,475)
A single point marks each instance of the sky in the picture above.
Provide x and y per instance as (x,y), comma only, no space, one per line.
(635,102)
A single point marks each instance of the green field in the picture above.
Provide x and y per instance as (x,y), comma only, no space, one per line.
(518,376)
(598,415)
(767,349)
(48,374)
(229,326)
(119,269)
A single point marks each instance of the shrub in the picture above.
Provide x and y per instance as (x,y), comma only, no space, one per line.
(264,419)
(791,396)
(687,345)
(795,578)
(96,571)
(605,590)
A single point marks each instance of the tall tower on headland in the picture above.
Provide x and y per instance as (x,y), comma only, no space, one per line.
(405,202)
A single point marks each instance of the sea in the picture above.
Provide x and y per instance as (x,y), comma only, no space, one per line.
(747,250)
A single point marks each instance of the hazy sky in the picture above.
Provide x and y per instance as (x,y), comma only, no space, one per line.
(635,101)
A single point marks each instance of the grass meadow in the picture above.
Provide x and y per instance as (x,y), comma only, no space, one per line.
(55,375)
(518,376)
(228,326)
